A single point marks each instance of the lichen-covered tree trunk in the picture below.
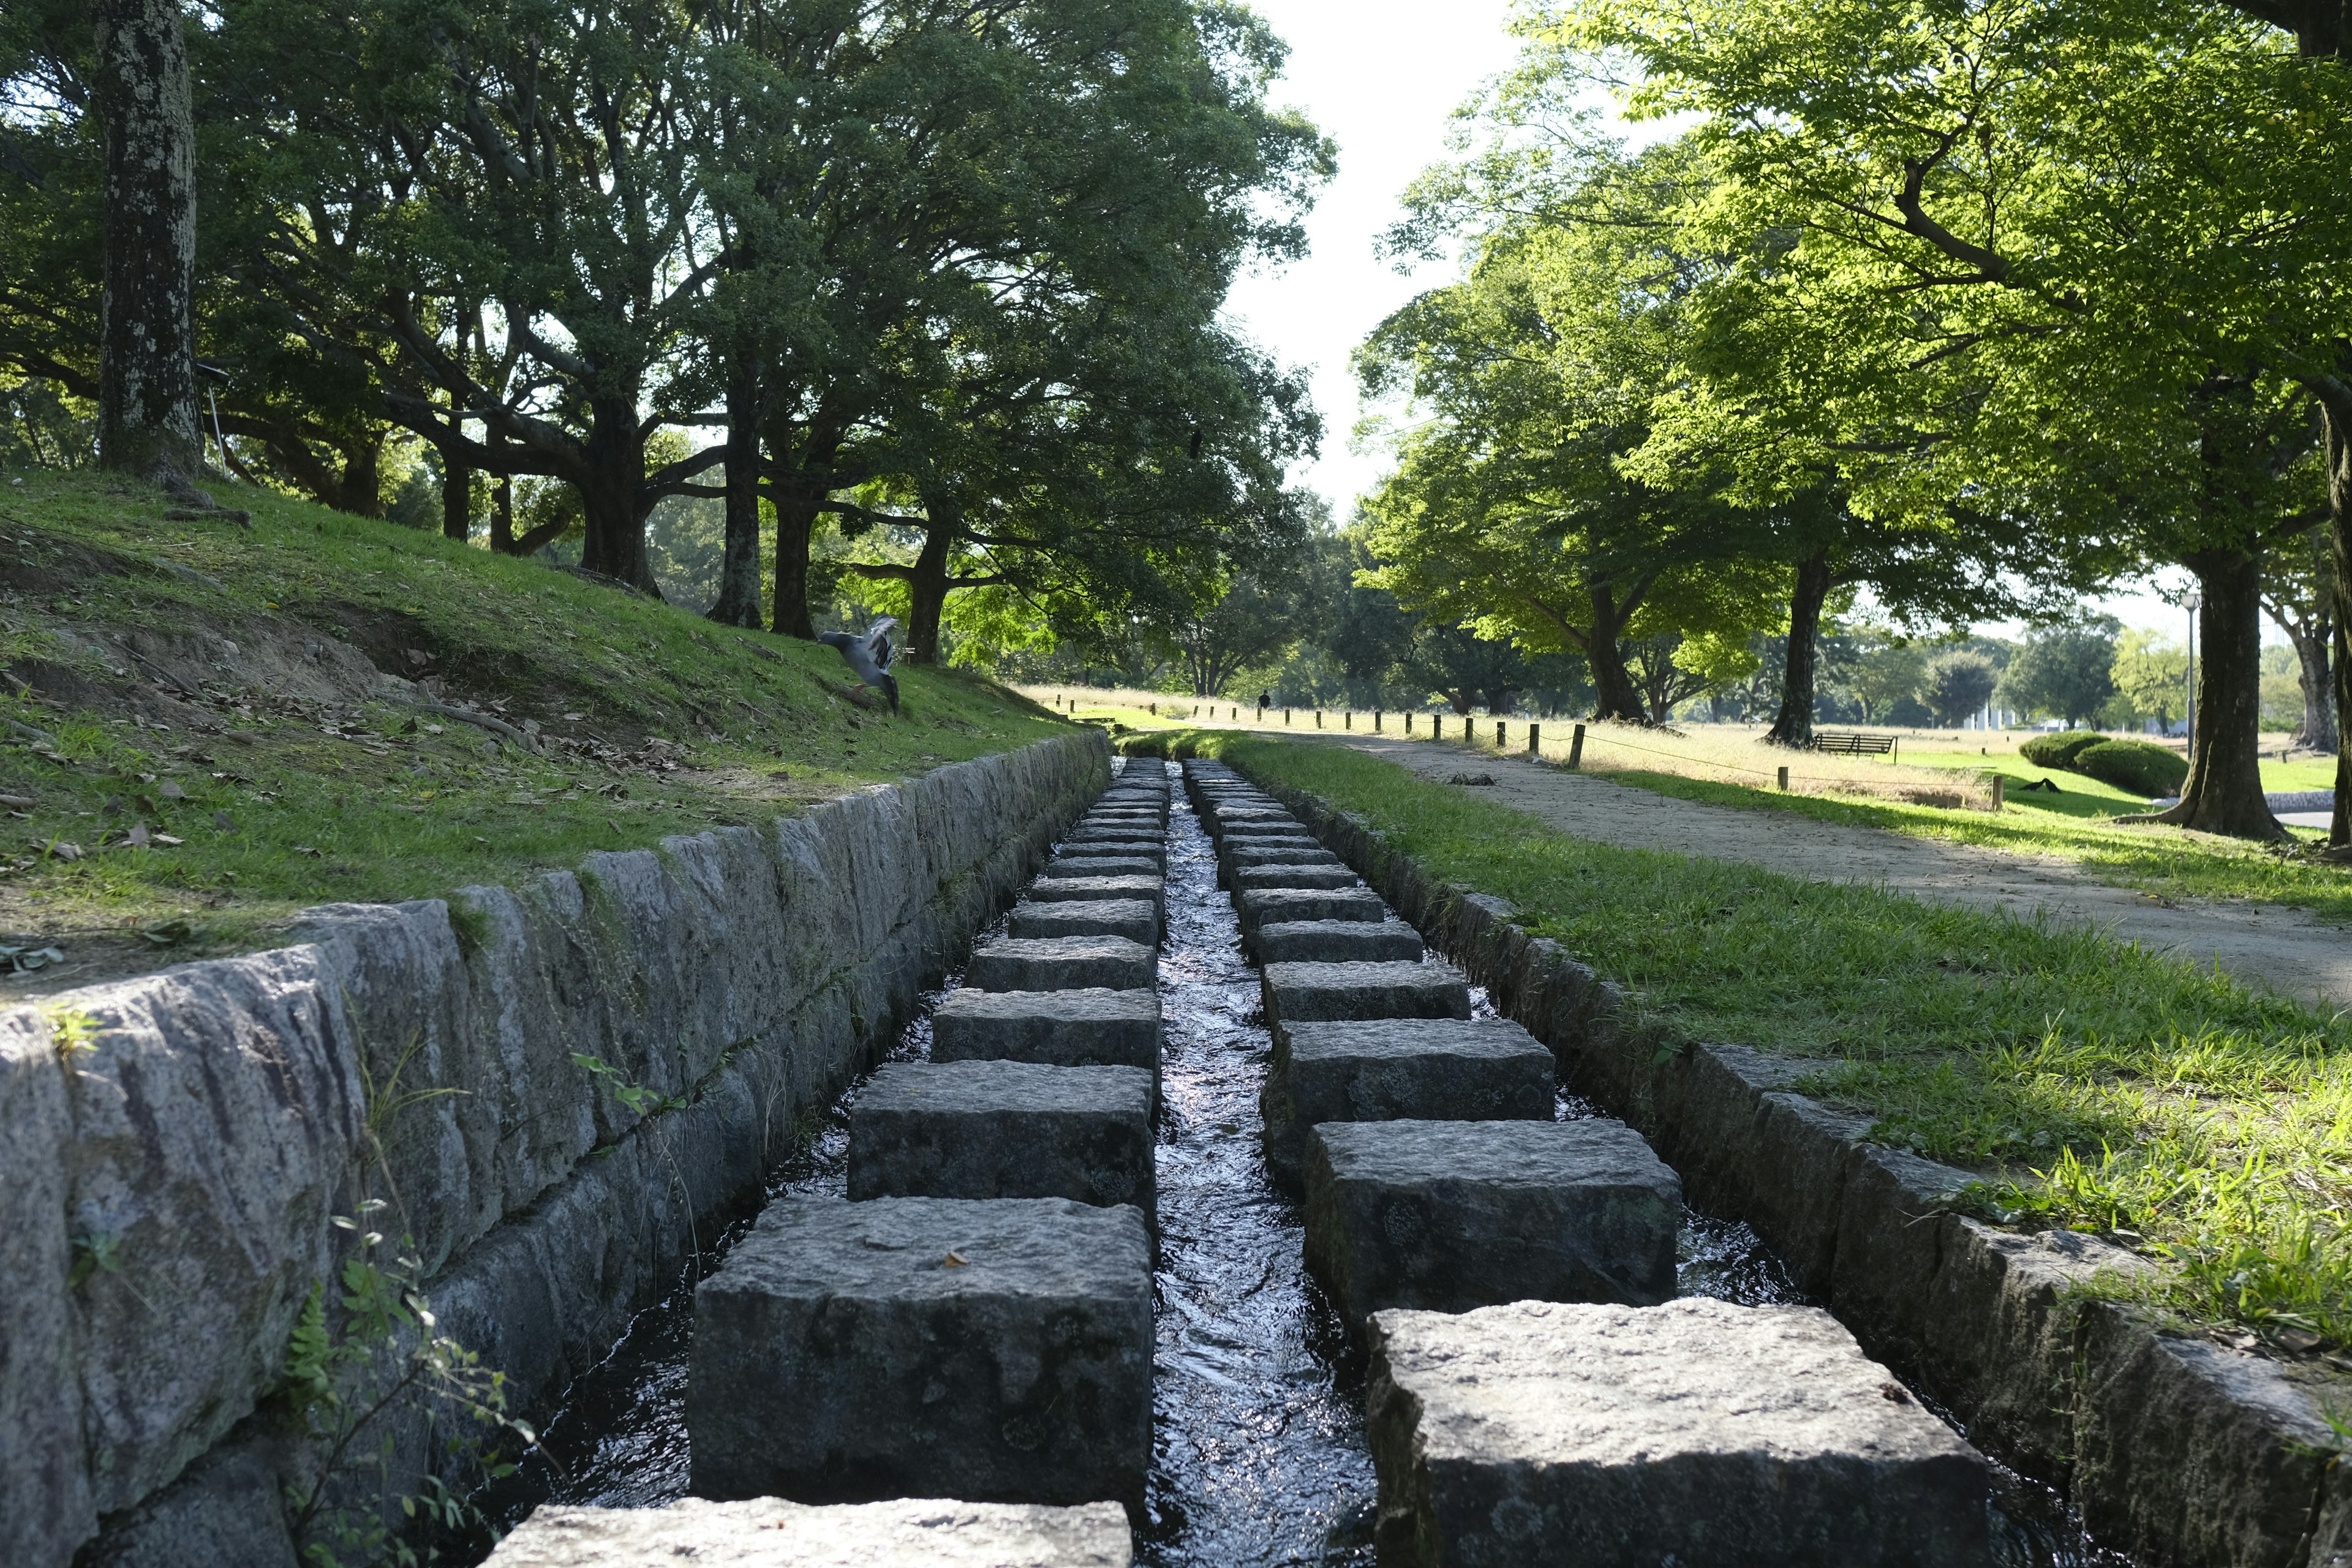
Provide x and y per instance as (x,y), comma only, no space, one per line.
(147,367)
(1794,725)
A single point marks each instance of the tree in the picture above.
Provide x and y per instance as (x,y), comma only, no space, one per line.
(2066,670)
(2298,594)
(1957,685)
(147,354)
(1887,672)
(2151,673)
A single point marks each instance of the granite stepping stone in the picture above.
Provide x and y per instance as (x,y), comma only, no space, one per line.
(1244,856)
(1087,1028)
(1272,906)
(1448,1215)
(1147,886)
(1102,866)
(1389,1069)
(1335,941)
(1248,877)
(1543,1435)
(995,1350)
(1003,1130)
(1337,993)
(1061,964)
(1133,919)
(1271,828)
(768,1532)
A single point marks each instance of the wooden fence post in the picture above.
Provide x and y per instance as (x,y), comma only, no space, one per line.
(1576,749)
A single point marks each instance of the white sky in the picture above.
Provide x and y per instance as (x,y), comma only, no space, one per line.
(1381,77)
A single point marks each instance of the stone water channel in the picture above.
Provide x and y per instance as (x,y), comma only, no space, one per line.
(1258,1448)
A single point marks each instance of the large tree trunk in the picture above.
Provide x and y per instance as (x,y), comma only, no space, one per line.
(1614,694)
(360,493)
(456,500)
(2335,406)
(2312,647)
(927,584)
(2223,792)
(147,364)
(1795,726)
(502,533)
(616,544)
(739,569)
(796,519)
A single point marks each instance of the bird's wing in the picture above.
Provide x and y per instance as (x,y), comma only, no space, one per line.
(877,639)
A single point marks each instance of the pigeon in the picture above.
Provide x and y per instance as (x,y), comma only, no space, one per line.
(868,654)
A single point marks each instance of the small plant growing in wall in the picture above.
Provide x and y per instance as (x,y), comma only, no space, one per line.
(368,1358)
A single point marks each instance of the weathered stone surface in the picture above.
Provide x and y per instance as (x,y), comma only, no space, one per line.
(1336,992)
(752,966)
(1278,906)
(768,1532)
(1060,963)
(1083,865)
(1449,1215)
(1117,841)
(2184,1448)
(1249,878)
(226,1510)
(1003,1130)
(1889,1245)
(1091,1028)
(1133,919)
(1335,941)
(1047,890)
(1422,1069)
(997,1352)
(1799,1181)
(1546,1436)
(44,1497)
(1244,857)
(1254,831)
(1999,1342)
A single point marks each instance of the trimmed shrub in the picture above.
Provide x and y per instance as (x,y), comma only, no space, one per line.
(2134,765)
(2059,751)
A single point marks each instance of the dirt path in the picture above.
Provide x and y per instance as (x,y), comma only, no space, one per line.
(2284,949)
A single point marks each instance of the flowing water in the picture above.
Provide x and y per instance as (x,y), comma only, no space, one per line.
(1259,1457)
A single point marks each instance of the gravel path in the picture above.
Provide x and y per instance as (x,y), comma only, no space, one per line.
(2283,948)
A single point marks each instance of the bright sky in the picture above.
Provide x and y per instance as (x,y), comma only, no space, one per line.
(1381,77)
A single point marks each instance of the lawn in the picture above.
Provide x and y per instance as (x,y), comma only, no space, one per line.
(155,815)
(2089,1084)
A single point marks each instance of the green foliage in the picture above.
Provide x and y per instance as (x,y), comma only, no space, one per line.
(1956,684)
(639,1100)
(2135,765)
(2059,751)
(73,1033)
(2151,673)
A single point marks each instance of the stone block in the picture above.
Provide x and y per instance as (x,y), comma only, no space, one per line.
(1336,942)
(2000,1313)
(1061,964)
(1003,1130)
(1268,827)
(1135,884)
(1339,992)
(996,1352)
(1276,906)
(1093,1027)
(1889,1245)
(768,1532)
(1117,841)
(1249,878)
(2187,1452)
(1246,857)
(1133,919)
(1389,1069)
(1449,1215)
(1539,1434)
(1085,865)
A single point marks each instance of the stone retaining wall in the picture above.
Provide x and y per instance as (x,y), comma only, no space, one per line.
(189,1167)
(2173,1447)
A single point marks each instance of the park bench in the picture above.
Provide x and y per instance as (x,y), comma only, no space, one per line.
(1854,743)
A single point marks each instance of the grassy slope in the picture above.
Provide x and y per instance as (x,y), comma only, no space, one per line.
(655,722)
(2094,1085)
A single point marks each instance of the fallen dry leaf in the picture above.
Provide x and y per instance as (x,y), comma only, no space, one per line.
(956,1260)
(17,802)
(137,836)
(171,791)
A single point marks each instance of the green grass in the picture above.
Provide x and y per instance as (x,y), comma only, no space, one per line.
(2090,1085)
(286,799)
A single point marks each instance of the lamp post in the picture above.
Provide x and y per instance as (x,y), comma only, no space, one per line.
(2195,601)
